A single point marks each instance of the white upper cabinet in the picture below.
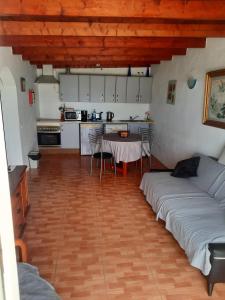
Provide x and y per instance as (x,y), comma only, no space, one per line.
(145,90)
(97,88)
(68,87)
(105,88)
(133,89)
(110,89)
(121,84)
(84,88)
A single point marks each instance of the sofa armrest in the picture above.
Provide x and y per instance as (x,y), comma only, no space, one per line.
(22,249)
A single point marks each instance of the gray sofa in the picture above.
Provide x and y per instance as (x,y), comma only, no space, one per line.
(194,212)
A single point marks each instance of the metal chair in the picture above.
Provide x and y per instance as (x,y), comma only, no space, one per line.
(146,144)
(95,141)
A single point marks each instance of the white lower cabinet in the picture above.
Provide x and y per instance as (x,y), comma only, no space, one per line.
(70,135)
(134,127)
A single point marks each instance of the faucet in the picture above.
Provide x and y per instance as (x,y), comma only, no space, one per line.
(133,118)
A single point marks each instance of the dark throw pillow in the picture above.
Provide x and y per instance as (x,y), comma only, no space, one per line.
(186,168)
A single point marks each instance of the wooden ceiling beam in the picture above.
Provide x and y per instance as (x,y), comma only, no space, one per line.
(108,42)
(147,9)
(95,59)
(97,51)
(110,29)
(87,64)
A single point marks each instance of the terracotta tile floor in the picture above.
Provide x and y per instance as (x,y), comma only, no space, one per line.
(97,241)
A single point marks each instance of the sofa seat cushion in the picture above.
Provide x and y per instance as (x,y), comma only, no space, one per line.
(211,175)
(159,187)
(195,223)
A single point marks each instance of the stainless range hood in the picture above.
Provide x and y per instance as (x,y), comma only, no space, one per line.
(47,75)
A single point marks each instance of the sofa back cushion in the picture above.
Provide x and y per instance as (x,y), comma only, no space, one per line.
(211,175)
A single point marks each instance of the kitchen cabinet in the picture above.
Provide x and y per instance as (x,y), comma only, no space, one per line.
(115,89)
(139,89)
(105,88)
(134,127)
(121,83)
(84,88)
(97,88)
(110,88)
(70,135)
(145,89)
(132,89)
(68,87)
(19,199)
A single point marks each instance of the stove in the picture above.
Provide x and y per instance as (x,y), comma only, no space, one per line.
(49,133)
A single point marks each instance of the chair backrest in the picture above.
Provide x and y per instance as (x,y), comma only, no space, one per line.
(99,131)
(146,135)
(95,142)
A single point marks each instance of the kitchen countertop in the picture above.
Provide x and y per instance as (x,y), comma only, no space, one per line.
(57,122)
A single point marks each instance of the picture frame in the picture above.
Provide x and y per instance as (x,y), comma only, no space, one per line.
(23,84)
(171,92)
(214,100)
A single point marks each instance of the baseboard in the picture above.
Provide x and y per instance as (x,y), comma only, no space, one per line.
(54,150)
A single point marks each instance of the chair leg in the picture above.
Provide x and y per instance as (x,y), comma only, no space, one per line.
(150,161)
(114,167)
(104,165)
(91,166)
(210,288)
(101,169)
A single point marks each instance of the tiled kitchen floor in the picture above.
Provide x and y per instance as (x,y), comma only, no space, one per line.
(97,241)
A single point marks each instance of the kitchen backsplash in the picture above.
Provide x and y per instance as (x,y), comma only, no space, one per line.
(48,103)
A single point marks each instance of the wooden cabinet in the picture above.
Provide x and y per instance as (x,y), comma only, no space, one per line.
(19,199)
(70,135)
(84,88)
(68,87)
(97,88)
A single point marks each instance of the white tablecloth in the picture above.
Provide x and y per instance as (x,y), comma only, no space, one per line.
(122,149)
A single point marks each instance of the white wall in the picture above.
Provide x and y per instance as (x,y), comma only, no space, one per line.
(179,131)
(49,101)
(7,244)
(25,119)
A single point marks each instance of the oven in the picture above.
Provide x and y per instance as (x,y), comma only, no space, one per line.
(49,135)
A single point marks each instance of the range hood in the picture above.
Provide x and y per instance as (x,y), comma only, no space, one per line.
(47,75)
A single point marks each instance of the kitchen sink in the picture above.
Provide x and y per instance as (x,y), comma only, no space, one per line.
(137,121)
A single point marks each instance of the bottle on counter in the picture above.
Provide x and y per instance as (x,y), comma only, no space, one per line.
(94,115)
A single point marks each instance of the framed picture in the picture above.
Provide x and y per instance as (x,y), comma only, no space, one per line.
(23,84)
(171,93)
(214,103)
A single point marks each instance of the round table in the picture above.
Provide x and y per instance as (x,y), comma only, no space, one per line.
(123,149)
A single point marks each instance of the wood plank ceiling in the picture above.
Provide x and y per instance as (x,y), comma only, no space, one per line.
(116,33)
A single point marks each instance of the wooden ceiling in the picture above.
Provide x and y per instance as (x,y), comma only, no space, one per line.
(116,33)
